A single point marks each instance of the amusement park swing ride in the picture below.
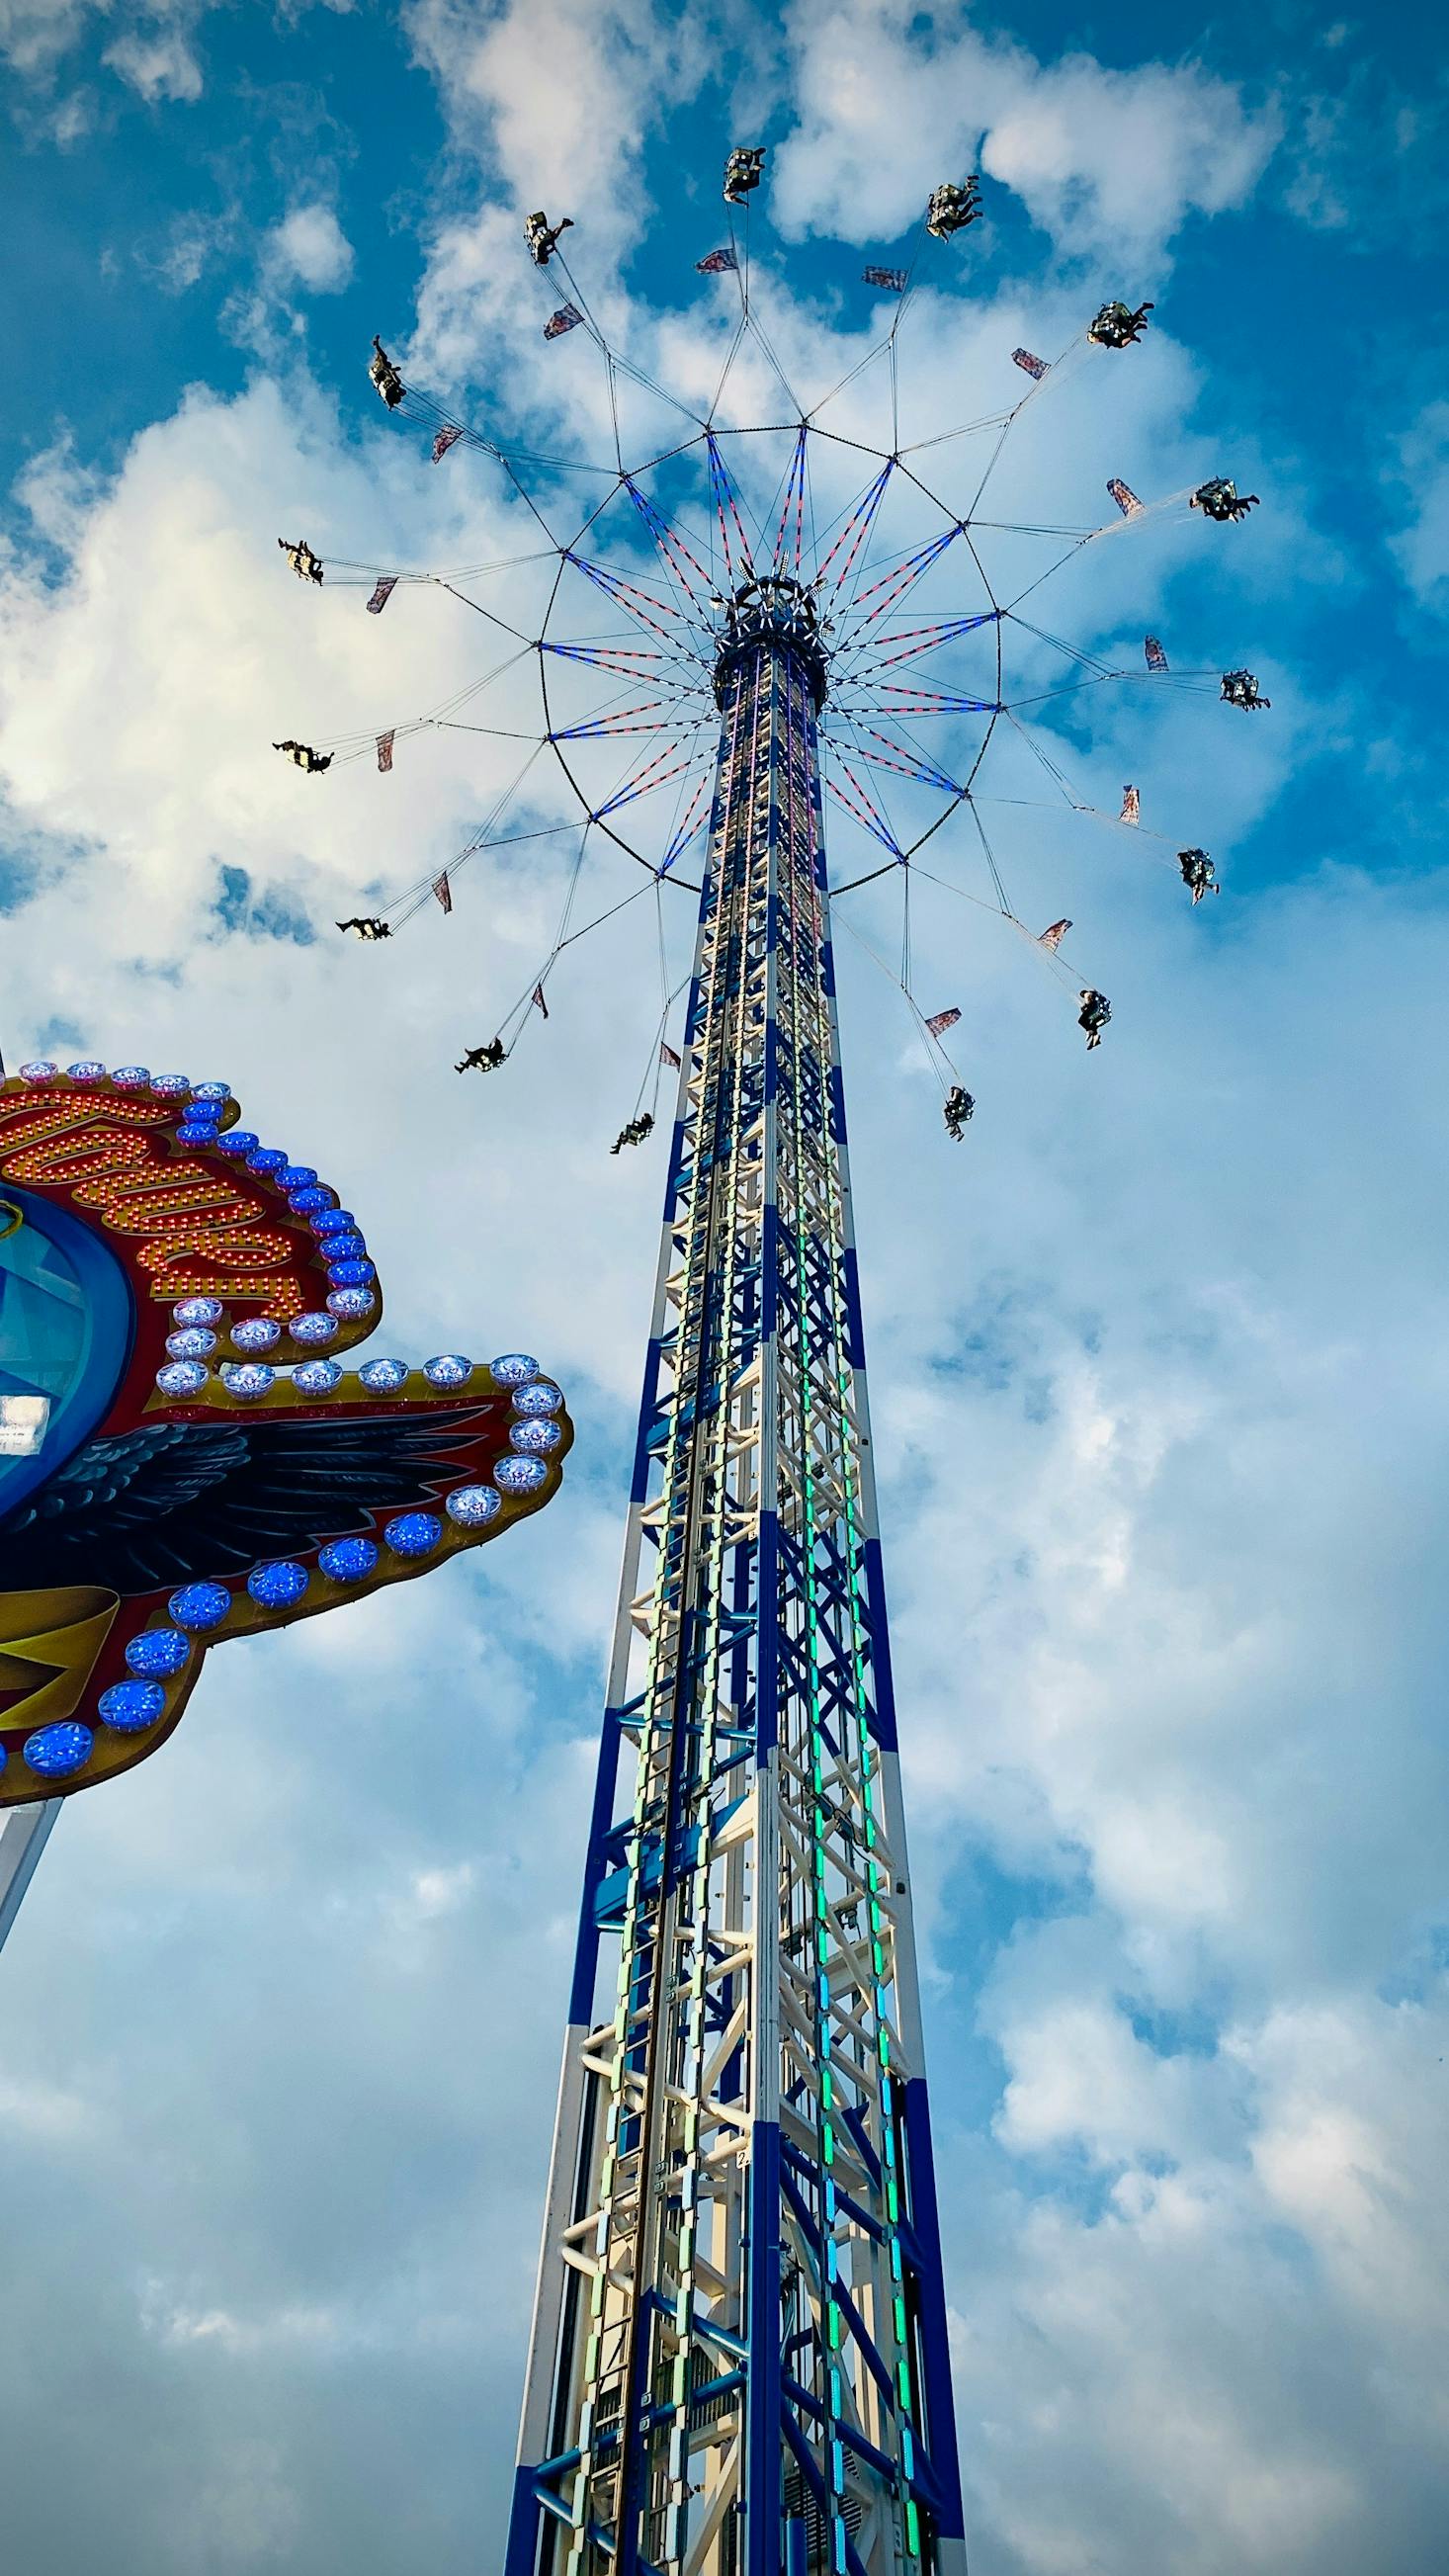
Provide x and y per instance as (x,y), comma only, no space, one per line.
(739,2361)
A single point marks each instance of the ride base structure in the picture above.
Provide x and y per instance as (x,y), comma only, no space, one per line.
(739,2362)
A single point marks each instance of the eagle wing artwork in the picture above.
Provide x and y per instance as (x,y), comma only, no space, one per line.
(183,1458)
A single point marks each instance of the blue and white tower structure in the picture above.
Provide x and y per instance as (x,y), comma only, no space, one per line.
(739,2359)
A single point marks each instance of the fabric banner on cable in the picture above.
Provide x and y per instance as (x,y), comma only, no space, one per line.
(894,279)
(448,436)
(668,1056)
(940,1021)
(443,891)
(384,752)
(382,594)
(1124,496)
(539,1001)
(1053,936)
(719,263)
(1033,366)
(1131,806)
(1156,658)
(567,318)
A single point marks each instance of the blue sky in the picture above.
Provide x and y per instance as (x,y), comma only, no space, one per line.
(1157,1356)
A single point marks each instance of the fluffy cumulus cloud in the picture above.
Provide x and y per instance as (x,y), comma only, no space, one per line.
(34,34)
(1158,1373)
(558,95)
(1422,487)
(158,62)
(149,46)
(1100,158)
(309,248)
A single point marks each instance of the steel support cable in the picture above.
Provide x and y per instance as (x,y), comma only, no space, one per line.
(676,689)
(1073,688)
(930,772)
(1053,959)
(682,833)
(586,801)
(414,902)
(856,529)
(932,1045)
(990,860)
(898,579)
(926,643)
(966,429)
(865,812)
(723,488)
(571,939)
(877,349)
(894,841)
(614,409)
(419,405)
(352,746)
(794,495)
(480,611)
(668,543)
(565,914)
(640,780)
(440,575)
(1077,804)
(1055,368)
(655,1063)
(731,353)
(786,387)
(896,588)
(614,588)
(1062,644)
(470,849)
(625,366)
(1014,416)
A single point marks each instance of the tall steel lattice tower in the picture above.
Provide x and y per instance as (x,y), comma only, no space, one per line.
(739,2361)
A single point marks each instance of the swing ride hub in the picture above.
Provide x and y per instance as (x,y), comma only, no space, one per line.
(739,2357)
(773,613)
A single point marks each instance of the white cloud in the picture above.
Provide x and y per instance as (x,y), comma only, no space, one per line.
(158,63)
(172,2322)
(1102,159)
(558,93)
(43,2110)
(1421,485)
(35,34)
(310,248)
(442,1891)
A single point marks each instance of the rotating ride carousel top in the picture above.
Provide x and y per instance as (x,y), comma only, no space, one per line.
(942,701)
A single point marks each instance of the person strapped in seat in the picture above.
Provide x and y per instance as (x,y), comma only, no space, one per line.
(952,207)
(1118,325)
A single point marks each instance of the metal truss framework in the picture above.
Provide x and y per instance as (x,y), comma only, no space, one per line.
(739,2363)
